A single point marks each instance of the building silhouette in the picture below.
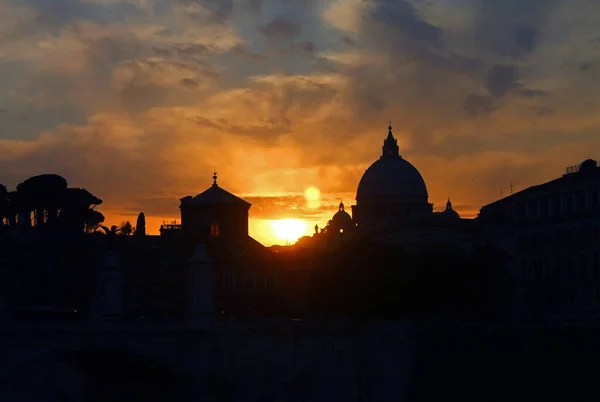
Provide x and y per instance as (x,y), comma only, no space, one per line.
(552,232)
(391,190)
(392,206)
(215,217)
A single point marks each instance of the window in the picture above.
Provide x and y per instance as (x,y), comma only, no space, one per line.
(249,283)
(214,230)
(544,207)
(568,202)
(556,205)
(229,282)
(594,198)
(269,282)
(580,201)
(533,209)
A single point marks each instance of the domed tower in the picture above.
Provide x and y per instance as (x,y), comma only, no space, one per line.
(342,221)
(390,191)
(449,212)
(215,216)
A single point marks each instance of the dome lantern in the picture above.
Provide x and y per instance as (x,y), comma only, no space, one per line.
(390,145)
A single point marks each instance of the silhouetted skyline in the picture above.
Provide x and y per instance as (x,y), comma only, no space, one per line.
(140,101)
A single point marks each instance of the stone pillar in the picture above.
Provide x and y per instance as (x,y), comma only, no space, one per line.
(108,298)
(201,283)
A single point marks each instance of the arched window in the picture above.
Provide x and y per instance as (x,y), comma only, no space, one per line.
(214,230)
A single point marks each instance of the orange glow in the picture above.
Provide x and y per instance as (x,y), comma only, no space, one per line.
(312,194)
(288,230)
(313,197)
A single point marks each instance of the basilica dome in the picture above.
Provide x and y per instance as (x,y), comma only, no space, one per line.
(391,177)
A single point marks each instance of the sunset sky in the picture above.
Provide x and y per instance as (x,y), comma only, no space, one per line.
(139,100)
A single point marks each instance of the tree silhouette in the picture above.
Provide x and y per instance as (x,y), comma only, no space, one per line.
(46,201)
(125,229)
(140,227)
(93,220)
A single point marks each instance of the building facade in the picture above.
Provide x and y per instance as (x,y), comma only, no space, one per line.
(552,232)
(248,277)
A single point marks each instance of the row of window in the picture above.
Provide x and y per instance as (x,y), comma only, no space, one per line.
(561,204)
(560,238)
(250,282)
(541,271)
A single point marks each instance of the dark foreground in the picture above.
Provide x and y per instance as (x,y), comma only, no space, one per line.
(507,365)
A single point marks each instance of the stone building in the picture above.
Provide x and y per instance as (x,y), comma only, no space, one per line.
(552,232)
(216,217)
(249,278)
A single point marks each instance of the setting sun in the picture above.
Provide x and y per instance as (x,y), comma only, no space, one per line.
(312,194)
(313,197)
(288,230)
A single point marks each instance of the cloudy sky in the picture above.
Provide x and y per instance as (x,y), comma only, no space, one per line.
(139,100)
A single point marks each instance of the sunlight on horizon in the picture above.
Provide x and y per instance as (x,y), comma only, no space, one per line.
(288,230)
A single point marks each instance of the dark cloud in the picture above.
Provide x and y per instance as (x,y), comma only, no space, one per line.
(532,93)
(478,105)
(586,66)
(400,16)
(453,62)
(220,10)
(348,40)
(110,50)
(510,27)
(161,52)
(280,28)
(54,14)
(193,50)
(323,65)
(306,47)
(189,83)
(255,5)
(240,50)
(500,79)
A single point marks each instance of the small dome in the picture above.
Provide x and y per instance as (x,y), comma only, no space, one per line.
(449,212)
(342,220)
